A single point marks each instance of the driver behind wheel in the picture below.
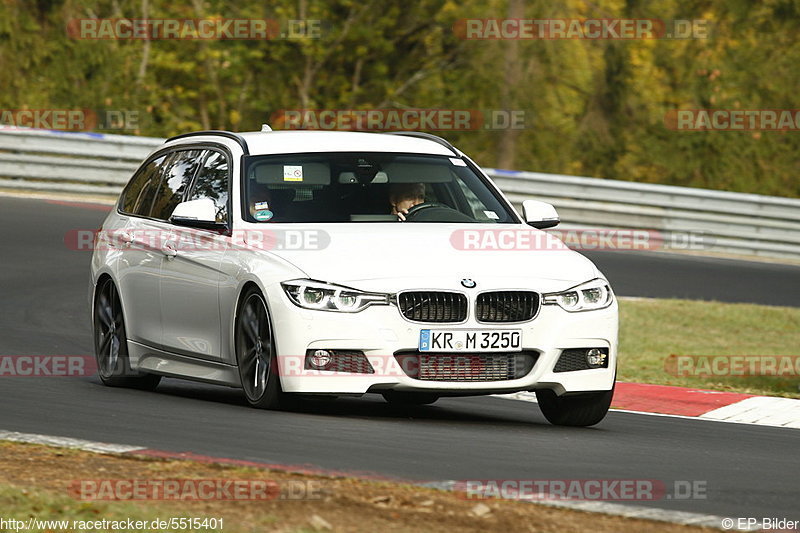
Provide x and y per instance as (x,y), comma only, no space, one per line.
(404,196)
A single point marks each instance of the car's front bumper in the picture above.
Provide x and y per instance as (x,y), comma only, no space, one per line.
(381,331)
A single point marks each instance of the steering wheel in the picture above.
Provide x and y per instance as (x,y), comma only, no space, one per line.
(416,209)
(435,212)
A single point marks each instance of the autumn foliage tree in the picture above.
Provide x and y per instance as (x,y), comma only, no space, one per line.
(592,107)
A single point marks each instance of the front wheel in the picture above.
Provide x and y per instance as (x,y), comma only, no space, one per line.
(580,410)
(256,354)
(111,342)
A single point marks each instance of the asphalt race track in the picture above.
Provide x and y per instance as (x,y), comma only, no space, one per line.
(748,470)
(667,275)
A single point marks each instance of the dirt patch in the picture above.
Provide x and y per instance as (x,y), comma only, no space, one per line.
(343,504)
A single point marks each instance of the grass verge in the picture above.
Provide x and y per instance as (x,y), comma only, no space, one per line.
(652,330)
(35,482)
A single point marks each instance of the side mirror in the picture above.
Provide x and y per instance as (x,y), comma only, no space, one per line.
(540,215)
(200,213)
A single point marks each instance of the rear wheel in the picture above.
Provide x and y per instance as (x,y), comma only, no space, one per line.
(579,410)
(409,398)
(111,342)
(255,353)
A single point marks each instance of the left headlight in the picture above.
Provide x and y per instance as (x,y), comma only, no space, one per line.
(594,294)
(321,296)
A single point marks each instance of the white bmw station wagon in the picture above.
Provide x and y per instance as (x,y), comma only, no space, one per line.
(343,263)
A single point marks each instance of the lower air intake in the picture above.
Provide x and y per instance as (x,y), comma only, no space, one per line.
(468,367)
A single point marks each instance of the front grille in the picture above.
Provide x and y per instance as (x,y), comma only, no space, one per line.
(469,367)
(430,306)
(506,306)
(575,359)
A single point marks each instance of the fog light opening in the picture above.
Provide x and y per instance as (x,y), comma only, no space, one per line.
(595,358)
(319,359)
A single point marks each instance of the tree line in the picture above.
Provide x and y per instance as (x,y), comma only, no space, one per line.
(585,106)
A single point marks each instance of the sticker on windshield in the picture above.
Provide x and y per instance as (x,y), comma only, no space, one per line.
(492,215)
(260,206)
(458,162)
(292,173)
(263,216)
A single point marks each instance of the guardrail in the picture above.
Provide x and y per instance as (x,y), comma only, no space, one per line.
(70,162)
(744,224)
(725,222)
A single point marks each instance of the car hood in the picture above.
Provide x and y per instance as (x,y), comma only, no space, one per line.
(386,257)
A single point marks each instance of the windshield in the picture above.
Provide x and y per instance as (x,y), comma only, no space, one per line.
(367,187)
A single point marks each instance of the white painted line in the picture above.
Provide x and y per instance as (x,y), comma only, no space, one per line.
(66,442)
(772,416)
(615,509)
(644,513)
(760,410)
(521,396)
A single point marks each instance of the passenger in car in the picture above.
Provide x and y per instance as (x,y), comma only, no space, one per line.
(404,196)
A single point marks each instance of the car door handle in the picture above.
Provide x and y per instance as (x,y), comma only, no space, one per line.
(169,250)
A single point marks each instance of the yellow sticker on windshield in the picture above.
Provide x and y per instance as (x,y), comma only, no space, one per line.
(292,173)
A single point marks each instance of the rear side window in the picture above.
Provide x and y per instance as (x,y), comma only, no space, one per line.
(137,198)
(212,182)
(175,181)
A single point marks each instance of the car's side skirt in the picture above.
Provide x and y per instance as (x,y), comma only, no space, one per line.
(147,359)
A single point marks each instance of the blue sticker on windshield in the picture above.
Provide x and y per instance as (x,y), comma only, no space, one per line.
(263,216)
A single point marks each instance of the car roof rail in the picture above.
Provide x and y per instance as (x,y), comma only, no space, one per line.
(219,133)
(428,136)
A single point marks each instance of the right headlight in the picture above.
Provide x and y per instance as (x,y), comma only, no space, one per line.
(589,296)
(320,296)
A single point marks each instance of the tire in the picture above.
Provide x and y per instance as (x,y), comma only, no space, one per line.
(111,342)
(409,398)
(256,356)
(579,410)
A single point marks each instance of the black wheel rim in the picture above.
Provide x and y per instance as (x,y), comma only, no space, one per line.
(254,347)
(109,330)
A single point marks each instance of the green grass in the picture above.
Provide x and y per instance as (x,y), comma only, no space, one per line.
(652,330)
(23,504)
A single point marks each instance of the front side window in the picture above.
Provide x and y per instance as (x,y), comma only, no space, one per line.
(367,187)
(212,182)
(175,180)
(137,198)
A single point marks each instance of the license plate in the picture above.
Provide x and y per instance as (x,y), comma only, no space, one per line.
(470,340)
